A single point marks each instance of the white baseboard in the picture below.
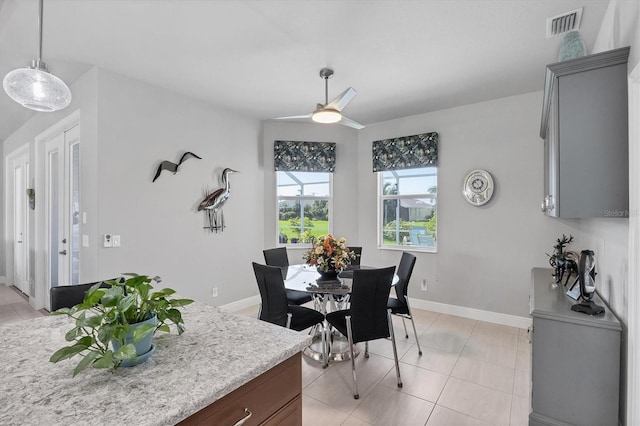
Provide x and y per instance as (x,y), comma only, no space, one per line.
(427,305)
(471,313)
(241,304)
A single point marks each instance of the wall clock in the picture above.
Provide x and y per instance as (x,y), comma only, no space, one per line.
(478,187)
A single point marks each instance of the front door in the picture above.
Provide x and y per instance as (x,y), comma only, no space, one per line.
(62,182)
(19,201)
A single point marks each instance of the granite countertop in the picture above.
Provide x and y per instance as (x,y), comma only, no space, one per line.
(217,354)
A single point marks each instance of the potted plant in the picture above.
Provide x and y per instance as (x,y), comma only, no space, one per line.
(329,255)
(115,317)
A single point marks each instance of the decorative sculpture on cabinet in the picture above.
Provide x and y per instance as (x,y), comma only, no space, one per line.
(214,201)
(563,262)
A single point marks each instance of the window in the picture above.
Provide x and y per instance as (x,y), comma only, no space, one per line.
(408,214)
(304,206)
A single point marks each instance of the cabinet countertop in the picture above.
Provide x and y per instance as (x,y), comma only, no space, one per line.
(217,354)
(550,301)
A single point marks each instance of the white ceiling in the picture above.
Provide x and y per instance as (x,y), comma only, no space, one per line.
(261,58)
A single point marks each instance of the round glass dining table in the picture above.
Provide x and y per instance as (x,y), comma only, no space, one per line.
(328,296)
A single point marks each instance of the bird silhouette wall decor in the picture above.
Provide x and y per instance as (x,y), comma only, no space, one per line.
(213,202)
(173,167)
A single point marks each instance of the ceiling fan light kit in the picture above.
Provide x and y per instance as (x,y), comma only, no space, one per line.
(34,87)
(326,116)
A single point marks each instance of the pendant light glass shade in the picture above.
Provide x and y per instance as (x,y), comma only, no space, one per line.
(35,87)
(326,116)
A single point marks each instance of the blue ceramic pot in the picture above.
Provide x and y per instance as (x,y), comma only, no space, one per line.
(144,348)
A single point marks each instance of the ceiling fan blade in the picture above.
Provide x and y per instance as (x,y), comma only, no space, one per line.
(350,123)
(342,100)
(293,117)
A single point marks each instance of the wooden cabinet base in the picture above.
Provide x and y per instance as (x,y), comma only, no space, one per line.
(273,398)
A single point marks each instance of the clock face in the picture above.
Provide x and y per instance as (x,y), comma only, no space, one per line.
(478,187)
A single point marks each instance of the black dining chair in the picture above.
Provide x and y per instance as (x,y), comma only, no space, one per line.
(278,257)
(275,308)
(368,317)
(66,296)
(400,305)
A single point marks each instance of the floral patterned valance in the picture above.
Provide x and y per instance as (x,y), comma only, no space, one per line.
(294,156)
(407,152)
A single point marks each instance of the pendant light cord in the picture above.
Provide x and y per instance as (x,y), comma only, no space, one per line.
(40,29)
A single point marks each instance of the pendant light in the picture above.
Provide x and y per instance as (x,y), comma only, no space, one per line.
(34,87)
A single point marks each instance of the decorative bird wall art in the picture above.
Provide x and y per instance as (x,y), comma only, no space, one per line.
(213,202)
(173,167)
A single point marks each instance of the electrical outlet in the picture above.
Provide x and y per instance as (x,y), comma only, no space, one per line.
(214,291)
(424,284)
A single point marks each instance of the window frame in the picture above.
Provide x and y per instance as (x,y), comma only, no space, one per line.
(380,213)
(302,198)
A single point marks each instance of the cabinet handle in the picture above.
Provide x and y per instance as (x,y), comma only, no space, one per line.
(244,419)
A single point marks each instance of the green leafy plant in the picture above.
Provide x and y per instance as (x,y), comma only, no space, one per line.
(106,315)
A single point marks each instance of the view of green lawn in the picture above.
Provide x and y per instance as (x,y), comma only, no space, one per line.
(320,227)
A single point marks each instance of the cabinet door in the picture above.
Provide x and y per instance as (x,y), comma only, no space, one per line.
(593,148)
(575,373)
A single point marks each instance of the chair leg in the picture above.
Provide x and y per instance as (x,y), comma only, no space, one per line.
(366,349)
(415,333)
(406,335)
(353,359)
(289,315)
(395,350)
(325,347)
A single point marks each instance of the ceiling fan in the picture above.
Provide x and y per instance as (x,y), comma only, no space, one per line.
(330,112)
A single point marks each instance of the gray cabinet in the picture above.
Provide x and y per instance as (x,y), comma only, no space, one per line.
(584,126)
(575,359)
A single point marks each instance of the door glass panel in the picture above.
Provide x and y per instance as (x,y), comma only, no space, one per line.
(54,211)
(75,213)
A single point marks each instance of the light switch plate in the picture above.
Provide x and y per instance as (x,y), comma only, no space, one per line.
(115,239)
(107,240)
(85,240)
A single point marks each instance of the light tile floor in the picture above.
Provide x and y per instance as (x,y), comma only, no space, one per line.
(14,306)
(470,373)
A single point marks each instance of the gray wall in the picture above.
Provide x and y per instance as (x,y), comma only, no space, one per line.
(485,254)
(162,234)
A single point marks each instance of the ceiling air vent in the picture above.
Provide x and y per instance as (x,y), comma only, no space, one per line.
(564,23)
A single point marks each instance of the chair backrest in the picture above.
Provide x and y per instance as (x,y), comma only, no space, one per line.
(358,252)
(405,269)
(274,307)
(67,296)
(276,257)
(369,295)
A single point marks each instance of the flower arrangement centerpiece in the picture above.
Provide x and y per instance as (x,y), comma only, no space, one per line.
(329,255)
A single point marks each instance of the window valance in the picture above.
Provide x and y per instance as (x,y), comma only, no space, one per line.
(406,152)
(295,156)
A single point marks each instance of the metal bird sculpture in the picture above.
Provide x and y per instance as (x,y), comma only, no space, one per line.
(173,167)
(214,201)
